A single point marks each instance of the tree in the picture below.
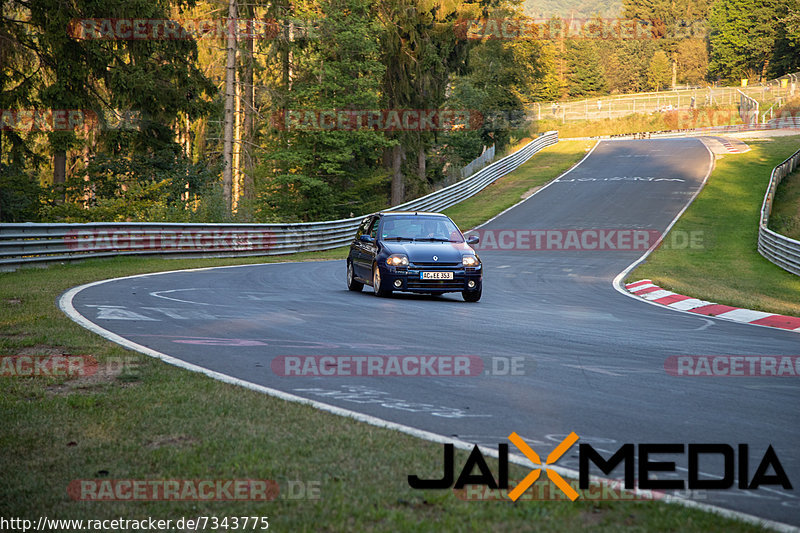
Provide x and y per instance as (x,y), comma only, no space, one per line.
(658,72)
(316,168)
(671,23)
(692,61)
(625,63)
(786,54)
(419,51)
(153,80)
(744,34)
(586,76)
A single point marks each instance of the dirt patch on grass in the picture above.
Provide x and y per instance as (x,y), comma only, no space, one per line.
(43,349)
(14,336)
(592,517)
(529,192)
(179,440)
(109,373)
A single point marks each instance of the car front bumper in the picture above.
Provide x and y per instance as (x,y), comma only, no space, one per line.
(411,280)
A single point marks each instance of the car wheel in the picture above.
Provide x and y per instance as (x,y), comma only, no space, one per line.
(472,296)
(377,286)
(352,284)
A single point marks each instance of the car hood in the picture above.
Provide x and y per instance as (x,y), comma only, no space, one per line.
(423,252)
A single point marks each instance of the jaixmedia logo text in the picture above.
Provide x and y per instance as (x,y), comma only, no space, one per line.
(649,459)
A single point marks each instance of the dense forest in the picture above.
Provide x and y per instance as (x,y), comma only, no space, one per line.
(572,8)
(251,111)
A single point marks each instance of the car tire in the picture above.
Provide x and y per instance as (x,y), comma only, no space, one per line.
(377,287)
(472,296)
(352,284)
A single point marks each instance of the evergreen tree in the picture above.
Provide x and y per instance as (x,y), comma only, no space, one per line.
(743,36)
(586,76)
(322,167)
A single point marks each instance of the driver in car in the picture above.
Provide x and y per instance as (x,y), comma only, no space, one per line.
(388,229)
(429,230)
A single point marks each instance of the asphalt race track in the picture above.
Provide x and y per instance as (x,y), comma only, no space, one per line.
(589,359)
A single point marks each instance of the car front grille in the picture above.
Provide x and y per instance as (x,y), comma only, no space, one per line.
(437,264)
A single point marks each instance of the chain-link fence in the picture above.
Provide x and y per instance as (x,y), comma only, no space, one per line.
(770,95)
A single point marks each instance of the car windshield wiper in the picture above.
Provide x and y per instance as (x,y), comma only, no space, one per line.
(398,239)
(436,239)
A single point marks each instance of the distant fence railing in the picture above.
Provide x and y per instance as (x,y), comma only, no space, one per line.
(478,163)
(780,123)
(776,91)
(34,243)
(748,108)
(779,249)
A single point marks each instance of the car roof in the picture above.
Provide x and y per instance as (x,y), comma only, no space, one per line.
(421,213)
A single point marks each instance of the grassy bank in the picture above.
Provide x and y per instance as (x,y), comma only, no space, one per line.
(785,218)
(727,268)
(144,419)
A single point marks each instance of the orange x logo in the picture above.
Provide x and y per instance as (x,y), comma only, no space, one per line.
(554,456)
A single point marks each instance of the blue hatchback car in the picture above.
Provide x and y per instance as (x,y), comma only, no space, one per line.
(413,252)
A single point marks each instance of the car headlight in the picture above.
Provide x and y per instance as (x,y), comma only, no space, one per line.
(397,260)
(470,261)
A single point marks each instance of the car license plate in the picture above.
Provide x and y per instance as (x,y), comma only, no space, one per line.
(435,275)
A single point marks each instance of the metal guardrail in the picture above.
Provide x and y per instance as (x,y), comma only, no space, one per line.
(478,163)
(748,108)
(35,243)
(779,249)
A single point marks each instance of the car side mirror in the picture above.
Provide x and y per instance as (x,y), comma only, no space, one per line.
(473,239)
(366,238)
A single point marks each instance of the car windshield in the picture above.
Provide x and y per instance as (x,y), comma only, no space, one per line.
(420,228)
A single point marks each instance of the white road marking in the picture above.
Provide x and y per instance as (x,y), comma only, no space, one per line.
(120,313)
(182,314)
(744,315)
(367,395)
(643,287)
(655,295)
(648,179)
(595,369)
(160,294)
(691,303)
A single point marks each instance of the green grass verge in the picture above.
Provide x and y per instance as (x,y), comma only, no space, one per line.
(727,268)
(785,218)
(543,167)
(150,420)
